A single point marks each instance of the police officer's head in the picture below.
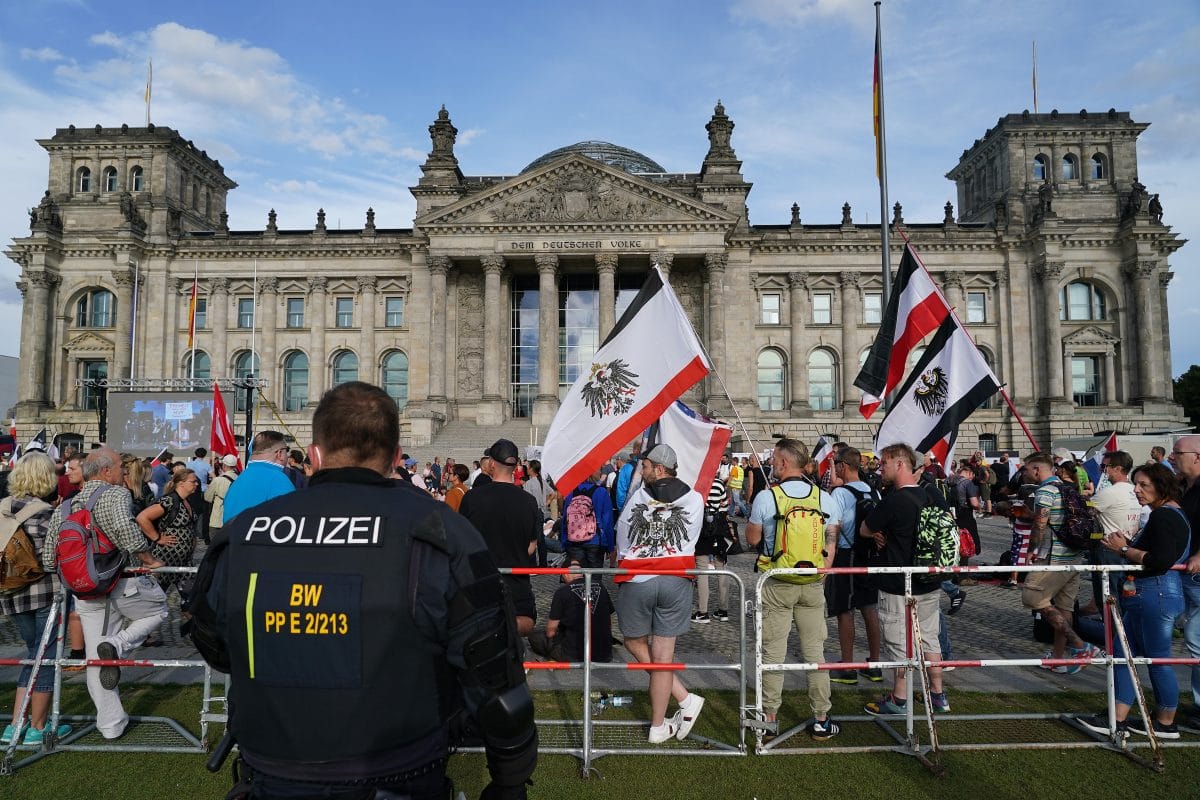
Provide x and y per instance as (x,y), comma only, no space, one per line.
(356,425)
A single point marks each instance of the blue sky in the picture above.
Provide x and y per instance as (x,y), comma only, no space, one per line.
(313,105)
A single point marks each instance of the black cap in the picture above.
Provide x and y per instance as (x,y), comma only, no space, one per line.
(503,452)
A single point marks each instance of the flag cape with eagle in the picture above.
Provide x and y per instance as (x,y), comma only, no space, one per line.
(949,382)
(650,358)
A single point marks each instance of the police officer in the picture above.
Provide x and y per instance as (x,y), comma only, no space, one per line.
(359,620)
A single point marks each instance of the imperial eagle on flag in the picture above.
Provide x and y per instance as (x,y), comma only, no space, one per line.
(915,309)
(650,358)
(951,380)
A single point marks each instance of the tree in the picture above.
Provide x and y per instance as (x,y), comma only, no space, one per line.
(1187,393)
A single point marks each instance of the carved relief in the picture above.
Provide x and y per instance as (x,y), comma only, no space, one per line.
(574,195)
(218,285)
(470,335)
(1048,270)
(691,295)
(318,283)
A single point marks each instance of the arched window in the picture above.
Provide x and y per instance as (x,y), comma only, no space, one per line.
(137,180)
(95,309)
(1099,167)
(395,377)
(245,364)
(1070,168)
(822,380)
(1081,301)
(345,367)
(83,179)
(771,386)
(110,179)
(203,366)
(295,381)
(1039,168)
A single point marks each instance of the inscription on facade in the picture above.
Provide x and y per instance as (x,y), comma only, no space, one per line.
(591,244)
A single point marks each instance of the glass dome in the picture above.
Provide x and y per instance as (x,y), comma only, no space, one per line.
(622,158)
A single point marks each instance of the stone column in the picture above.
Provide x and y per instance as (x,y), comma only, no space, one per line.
(175,344)
(318,359)
(606,268)
(36,321)
(1146,322)
(218,318)
(123,278)
(1047,274)
(267,303)
(1068,376)
(1003,366)
(953,285)
(439,268)
(1110,377)
(716,263)
(797,362)
(546,403)
(850,315)
(490,409)
(367,323)
(664,261)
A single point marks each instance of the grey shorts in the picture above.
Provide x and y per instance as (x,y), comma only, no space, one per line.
(661,606)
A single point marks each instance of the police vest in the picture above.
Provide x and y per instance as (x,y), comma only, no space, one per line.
(327,661)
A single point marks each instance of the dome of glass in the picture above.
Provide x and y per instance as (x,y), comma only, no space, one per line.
(622,158)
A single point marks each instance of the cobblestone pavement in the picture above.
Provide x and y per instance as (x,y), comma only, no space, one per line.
(991,624)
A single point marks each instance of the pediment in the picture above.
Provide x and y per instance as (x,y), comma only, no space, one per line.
(575,191)
(89,342)
(1091,336)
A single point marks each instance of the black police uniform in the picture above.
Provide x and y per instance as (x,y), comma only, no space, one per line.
(359,620)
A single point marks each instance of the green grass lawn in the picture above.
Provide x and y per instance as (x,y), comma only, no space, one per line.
(994,774)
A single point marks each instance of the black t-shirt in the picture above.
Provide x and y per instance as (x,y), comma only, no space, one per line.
(896,515)
(509,519)
(567,607)
(1164,539)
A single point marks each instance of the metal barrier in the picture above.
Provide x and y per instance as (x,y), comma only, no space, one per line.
(907,741)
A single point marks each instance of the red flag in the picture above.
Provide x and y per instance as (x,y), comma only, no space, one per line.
(192,317)
(222,442)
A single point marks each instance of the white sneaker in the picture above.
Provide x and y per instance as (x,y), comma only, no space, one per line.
(664,732)
(689,711)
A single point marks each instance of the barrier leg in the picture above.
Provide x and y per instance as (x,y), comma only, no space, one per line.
(934,763)
(586,770)
(1138,692)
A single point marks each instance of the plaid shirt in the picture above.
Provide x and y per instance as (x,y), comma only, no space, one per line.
(39,594)
(113,514)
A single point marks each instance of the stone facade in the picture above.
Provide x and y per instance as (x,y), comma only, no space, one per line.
(1058,264)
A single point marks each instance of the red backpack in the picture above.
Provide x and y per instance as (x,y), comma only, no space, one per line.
(88,562)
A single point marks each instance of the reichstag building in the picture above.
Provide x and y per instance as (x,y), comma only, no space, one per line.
(480,316)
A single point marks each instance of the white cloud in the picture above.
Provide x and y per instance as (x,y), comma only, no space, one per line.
(802,11)
(469,135)
(40,54)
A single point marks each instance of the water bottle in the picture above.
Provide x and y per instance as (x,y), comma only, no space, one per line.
(599,702)
(620,701)
(1128,588)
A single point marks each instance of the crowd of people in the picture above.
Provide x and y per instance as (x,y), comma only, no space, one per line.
(865,510)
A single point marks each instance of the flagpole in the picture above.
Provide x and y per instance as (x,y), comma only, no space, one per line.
(881,158)
(1035,107)
(253,353)
(133,323)
(192,321)
(149,81)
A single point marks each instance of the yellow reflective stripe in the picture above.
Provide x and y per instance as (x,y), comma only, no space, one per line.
(250,620)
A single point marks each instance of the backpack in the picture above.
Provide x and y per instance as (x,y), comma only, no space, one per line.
(935,543)
(581,517)
(201,625)
(1078,522)
(89,564)
(799,535)
(20,564)
(864,504)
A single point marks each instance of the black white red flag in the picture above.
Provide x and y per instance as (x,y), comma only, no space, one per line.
(915,309)
(823,455)
(950,381)
(651,358)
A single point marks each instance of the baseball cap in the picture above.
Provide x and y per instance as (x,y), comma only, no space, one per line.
(663,454)
(229,460)
(503,452)
(1062,453)
(410,462)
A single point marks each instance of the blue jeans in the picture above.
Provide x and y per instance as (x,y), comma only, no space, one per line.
(1149,618)
(30,625)
(739,504)
(1191,627)
(944,638)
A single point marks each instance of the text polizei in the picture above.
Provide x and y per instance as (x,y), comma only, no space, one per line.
(316,530)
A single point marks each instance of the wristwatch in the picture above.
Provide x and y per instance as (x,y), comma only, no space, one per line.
(1124,550)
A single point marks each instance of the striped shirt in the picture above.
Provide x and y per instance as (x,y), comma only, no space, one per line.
(718,497)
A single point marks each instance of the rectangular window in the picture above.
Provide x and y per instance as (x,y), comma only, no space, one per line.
(976,306)
(89,399)
(345,312)
(1085,380)
(872,308)
(295,312)
(771,303)
(822,313)
(201,313)
(245,312)
(394,312)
